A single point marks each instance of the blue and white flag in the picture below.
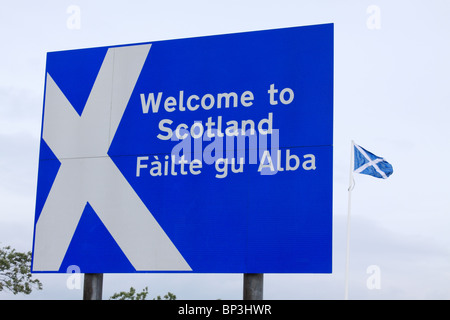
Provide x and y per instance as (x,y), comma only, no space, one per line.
(366,162)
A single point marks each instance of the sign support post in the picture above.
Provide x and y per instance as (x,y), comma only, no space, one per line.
(253,286)
(93,286)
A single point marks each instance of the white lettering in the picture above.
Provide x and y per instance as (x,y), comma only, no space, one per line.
(211,101)
(139,166)
(195,164)
(282,96)
(199,125)
(272,92)
(288,161)
(164,129)
(262,165)
(189,105)
(267,121)
(247,98)
(309,164)
(177,131)
(214,128)
(156,169)
(150,101)
(222,168)
(227,97)
(193,102)
(291,96)
(169,103)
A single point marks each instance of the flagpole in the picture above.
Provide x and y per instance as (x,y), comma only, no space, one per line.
(350,187)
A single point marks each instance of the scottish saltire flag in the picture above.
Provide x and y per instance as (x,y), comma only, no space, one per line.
(366,162)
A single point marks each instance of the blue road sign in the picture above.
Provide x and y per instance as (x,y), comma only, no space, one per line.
(209,155)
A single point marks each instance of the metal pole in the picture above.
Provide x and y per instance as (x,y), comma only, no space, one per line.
(253,286)
(350,187)
(93,286)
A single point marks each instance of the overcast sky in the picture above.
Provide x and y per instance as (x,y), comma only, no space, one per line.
(392,96)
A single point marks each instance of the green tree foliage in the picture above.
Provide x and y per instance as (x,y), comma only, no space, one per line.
(168,296)
(133,295)
(15,272)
